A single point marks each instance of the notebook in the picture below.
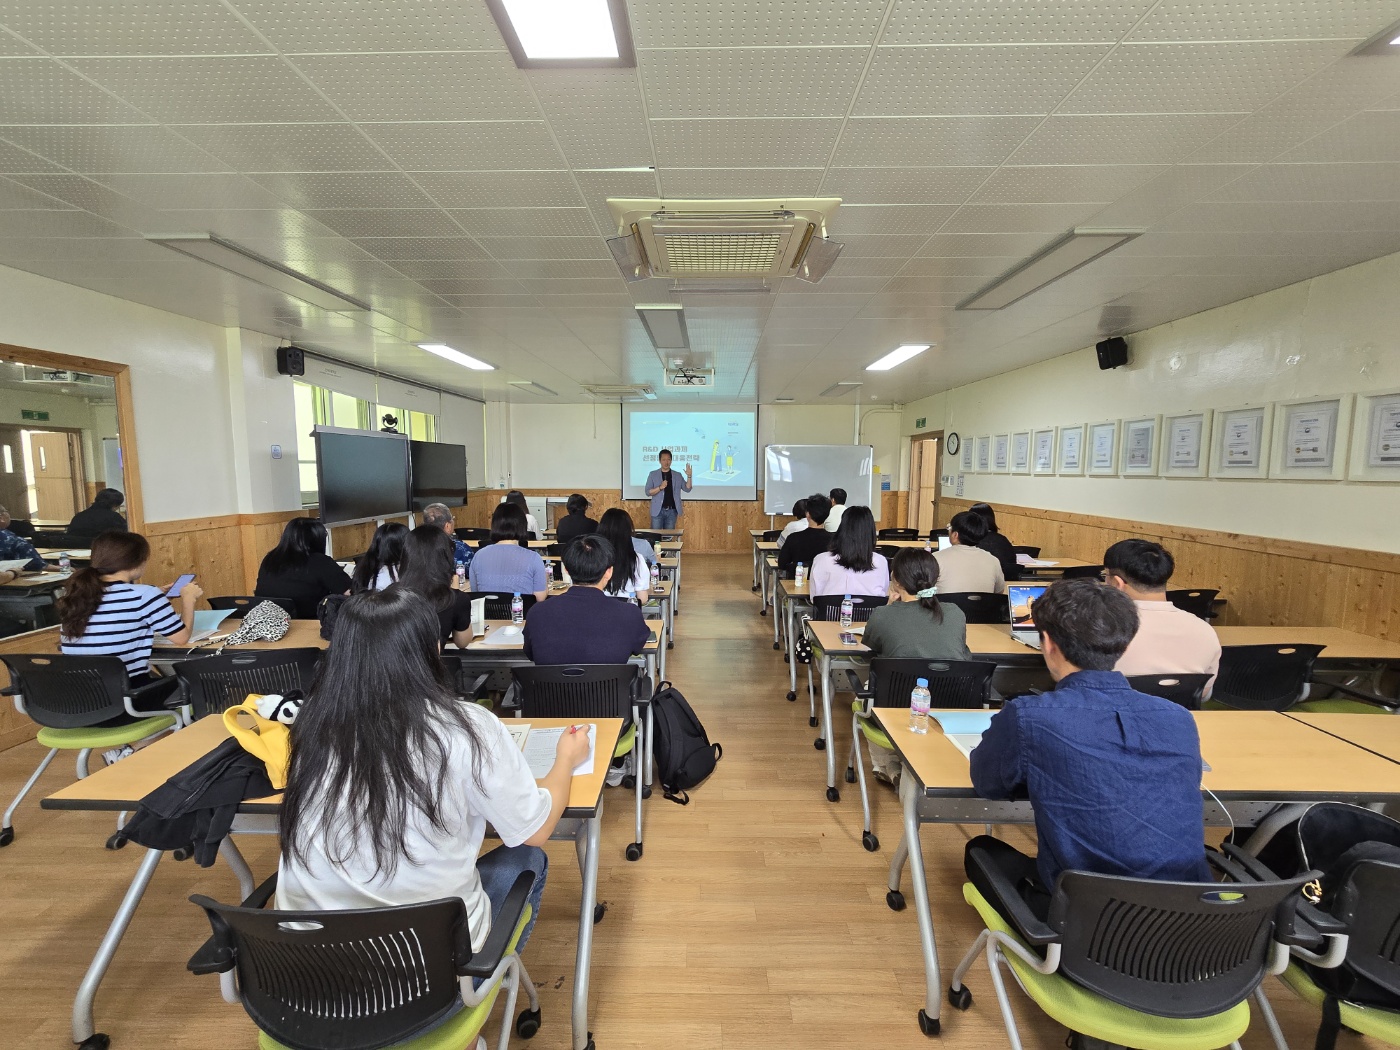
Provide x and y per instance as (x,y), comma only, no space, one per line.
(1020,597)
(539,746)
(963,729)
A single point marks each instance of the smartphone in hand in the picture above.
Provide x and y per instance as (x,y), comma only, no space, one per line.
(179,585)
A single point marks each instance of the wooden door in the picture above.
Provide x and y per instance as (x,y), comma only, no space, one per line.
(930,464)
(56,475)
(14,487)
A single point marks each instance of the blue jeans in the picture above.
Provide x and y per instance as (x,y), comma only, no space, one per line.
(665,520)
(501,867)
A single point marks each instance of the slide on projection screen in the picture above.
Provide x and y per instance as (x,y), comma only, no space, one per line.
(719,444)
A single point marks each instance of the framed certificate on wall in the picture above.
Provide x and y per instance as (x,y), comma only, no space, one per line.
(1071,460)
(984,455)
(1043,451)
(1311,438)
(1001,453)
(1240,442)
(1103,448)
(1185,445)
(1021,452)
(1140,446)
(1375,440)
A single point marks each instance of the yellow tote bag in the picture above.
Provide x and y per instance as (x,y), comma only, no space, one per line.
(266,738)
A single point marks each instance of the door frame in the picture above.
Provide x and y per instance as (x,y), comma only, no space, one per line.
(915,486)
(75,457)
(126,415)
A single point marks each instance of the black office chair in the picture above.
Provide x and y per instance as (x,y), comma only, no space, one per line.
(212,684)
(651,537)
(897,534)
(372,977)
(590,691)
(1197,602)
(951,683)
(498,603)
(74,698)
(934,534)
(1264,677)
(979,606)
(887,550)
(1030,552)
(241,603)
(828,607)
(555,550)
(771,536)
(1178,955)
(474,535)
(1183,689)
(1082,572)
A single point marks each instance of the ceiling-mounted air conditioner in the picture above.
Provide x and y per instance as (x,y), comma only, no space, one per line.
(621,391)
(723,239)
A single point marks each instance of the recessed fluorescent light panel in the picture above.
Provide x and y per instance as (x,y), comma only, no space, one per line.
(1386,42)
(898,356)
(529,386)
(840,389)
(543,34)
(446,352)
(665,323)
(1077,248)
(240,261)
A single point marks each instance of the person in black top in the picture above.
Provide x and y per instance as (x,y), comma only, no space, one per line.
(299,569)
(995,544)
(584,625)
(804,546)
(576,523)
(101,517)
(427,569)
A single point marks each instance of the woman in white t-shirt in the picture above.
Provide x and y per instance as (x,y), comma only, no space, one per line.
(852,567)
(393,780)
(379,566)
(630,570)
(518,498)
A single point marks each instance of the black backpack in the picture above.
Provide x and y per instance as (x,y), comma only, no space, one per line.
(683,752)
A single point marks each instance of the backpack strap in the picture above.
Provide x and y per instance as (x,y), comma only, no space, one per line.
(680,798)
(1331,1024)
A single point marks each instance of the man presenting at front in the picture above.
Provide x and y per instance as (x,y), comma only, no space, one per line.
(665,490)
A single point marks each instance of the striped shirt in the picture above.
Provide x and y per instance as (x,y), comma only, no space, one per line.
(124,623)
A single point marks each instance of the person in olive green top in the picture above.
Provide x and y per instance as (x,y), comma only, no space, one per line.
(913,626)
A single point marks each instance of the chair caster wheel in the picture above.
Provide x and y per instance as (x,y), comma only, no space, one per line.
(7,835)
(97,1041)
(629,782)
(763,612)
(646,791)
(850,775)
(819,744)
(670,645)
(812,721)
(832,795)
(116,840)
(776,646)
(928,1025)
(895,900)
(599,910)
(754,588)
(634,851)
(961,998)
(183,853)
(786,658)
(791,697)
(590,1045)
(870,842)
(527,1024)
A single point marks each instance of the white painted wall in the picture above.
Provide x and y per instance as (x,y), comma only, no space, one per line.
(1335,334)
(463,422)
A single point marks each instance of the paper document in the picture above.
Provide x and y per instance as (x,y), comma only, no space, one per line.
(965,742)
(499,637)
(540,745)
(518,731)
(14,564)
(973,722)
(1026,559)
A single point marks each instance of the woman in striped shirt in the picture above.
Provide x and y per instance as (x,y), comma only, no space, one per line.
(106,612)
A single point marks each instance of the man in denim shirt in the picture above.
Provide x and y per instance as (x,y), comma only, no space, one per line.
(1114,775)
(13,548)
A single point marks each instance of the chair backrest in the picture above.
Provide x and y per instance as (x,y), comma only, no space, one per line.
(933,535)
(1264,677)
(1198,602)
(979,606)
(828,606)
(475,535)
(951,683)
(555,550)
(1183,689)
(887,550)
(212,684)
(771,536)
(1172,949)
(1030,552)
(577,690)
(651,537)
(352,980)
(241,603)
(1369,902)
(1082,572)
(897,534)
(69,692)
(498,603)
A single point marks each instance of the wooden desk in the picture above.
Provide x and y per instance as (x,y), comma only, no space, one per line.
(121,786)
(1348,646)
(763,552)
(1257,759)
(74,553)
(36,582)
(1061,564)
(1378,733)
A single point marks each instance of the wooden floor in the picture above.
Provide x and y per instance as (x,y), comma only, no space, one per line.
(755,920)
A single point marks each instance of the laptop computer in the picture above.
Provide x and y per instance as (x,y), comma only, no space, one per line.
(944,543)
(1020,597)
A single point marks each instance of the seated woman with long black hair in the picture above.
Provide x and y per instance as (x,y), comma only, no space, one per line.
(379,567)
(299,568)
(393,780)
(852,566)
(629,569)
(428,570)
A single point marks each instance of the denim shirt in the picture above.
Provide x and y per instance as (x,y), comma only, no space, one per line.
(13,548)
(1114,776)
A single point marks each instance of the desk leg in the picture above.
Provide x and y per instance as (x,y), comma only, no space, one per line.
(909,791)
(791,651)
(762,571)
(755,565)
(588,868)
(676,586)
(670,624)
(779,603)
(83,1033)
(833,794)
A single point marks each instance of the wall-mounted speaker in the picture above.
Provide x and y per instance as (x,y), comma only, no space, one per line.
(291,361)
(1112,352)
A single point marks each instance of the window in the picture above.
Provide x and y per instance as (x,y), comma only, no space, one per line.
(317,406)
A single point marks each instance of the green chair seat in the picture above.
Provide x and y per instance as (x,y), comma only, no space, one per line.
(626,741)
(871,730)
(458,1032)
(1081,1010)
(1338,706)
(101,737)
(1368,1020)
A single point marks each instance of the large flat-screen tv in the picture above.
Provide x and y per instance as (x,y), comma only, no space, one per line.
(439,473)
(361,475)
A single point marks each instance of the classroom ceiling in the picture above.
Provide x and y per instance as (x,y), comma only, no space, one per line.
(392,149)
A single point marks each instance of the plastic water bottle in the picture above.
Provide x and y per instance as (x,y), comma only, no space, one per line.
(517,609)
(799,575)
(848,611)
(65,563)
(928,543)
(461,576)
(655,576)
(630,596)
(919,703)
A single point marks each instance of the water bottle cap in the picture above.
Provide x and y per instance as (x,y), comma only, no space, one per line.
(922,683)
(516,594)
(848,597)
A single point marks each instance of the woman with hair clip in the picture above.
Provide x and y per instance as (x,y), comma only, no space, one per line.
(380,565)
(629,569)
(852,566)
(507,564)
(392,780)
(299,568)
(106,612)
(428,570)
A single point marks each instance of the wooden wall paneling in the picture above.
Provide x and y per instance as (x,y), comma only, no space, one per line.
(16,728)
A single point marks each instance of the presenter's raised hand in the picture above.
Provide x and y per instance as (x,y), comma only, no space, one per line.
(687,472)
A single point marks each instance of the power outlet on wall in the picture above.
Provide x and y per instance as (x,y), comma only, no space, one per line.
(731,528)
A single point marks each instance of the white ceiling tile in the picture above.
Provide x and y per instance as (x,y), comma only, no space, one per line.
(287,147)
(878,246)
(1373,137)
(57,224)
(126,249)
(17,197)
(458,286)
(1264,19)
(40,91)
(960,266)
(747,183)
(983,245)
(1316,182)
(345,189)
(759,82)
(397,222)
(1175,187)
(1139,138)
(930,141)
(832,284)
(130,27)
(499,189)
(192,191)
(1322,216)
(274,229)
(525,247)
(1017,218)
(598,186)
(1199,77)
(422,248)
(1062,183)
(736,23)
(15,161)
(563,268)
(383,25)
(114,148)
(949,80)
(469,86)
(855,220)
(526,222)
(496,145)
(83,193)
(1012,21)
(751,143)
(855,266)
(905,185)
(596,114)
(584,286)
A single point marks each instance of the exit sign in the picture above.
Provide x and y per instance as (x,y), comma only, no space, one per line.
(921,422)
(36,416)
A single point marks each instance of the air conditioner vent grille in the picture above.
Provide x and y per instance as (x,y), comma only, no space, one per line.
(689,254)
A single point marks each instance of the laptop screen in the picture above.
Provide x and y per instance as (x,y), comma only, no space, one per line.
(944,543)
(1021,597)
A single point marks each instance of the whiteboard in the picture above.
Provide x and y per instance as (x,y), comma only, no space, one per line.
(112,464)
(793,472)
